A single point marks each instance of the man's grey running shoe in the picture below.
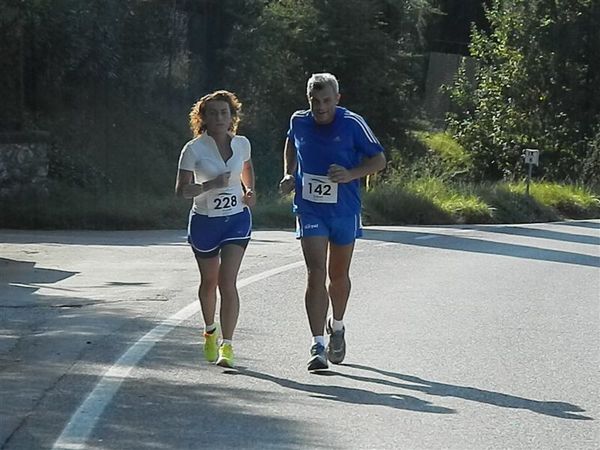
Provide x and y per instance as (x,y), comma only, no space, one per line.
(336,348)
(318,358)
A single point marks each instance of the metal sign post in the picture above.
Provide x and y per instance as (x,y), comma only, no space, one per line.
(530,156)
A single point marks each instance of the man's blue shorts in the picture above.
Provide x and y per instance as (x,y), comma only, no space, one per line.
(207,235)
(340,230)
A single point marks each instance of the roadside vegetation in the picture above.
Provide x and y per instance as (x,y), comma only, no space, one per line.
(399,202)
(116,99)
(430,201)
(435,184)
(432,188)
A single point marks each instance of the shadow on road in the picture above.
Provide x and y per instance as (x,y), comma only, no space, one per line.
(42,337)
(15,271)
(352,395)
(581,223)
(449,242)
(134,238)
(543,234)
(555,409)
(20,279)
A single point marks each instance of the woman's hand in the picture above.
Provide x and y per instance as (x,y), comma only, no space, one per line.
(249,198)
(192,190)
(217,182)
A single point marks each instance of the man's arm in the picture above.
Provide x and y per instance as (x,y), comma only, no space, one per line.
(286,185)
(289,158)
(340,174)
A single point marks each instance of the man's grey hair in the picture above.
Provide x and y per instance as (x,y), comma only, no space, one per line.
(320,80)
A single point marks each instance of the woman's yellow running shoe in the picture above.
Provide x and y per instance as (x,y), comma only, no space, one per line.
(211,346)
(225,356)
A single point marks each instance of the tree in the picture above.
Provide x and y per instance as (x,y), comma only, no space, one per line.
(11,63)
(535,86)
(374,48)
(450,29)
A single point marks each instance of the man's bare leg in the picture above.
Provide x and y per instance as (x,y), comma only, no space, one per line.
(340,257)
(316,298)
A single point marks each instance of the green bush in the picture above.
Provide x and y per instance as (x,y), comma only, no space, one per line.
(534,86)
(273,211)
(446,158)
(67,207)
(590,172)
(390,204)
(426,200)
(454,199)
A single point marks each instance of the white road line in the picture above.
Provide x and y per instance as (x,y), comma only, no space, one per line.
(429,236)
(82,422)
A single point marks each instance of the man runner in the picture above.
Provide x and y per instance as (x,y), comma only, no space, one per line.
(327,151)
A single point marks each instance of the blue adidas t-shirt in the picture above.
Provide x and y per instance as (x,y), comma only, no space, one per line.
(345,141)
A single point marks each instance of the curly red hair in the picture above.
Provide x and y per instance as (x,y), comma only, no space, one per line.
(198,109)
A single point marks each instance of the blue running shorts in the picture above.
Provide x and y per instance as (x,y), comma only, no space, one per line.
(207,235)
(340,230)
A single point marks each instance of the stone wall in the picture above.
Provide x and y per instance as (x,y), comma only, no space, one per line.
(23,162)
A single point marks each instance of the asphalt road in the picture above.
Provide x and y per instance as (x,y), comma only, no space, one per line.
(471,337)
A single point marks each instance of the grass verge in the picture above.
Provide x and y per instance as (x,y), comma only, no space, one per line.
(432,201)
(417,201)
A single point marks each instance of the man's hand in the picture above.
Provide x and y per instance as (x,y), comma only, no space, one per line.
(339,174)
(287,184)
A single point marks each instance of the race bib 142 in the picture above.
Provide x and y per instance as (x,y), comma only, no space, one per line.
(319,189)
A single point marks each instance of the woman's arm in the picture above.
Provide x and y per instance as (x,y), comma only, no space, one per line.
(248,180)
(186,187)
